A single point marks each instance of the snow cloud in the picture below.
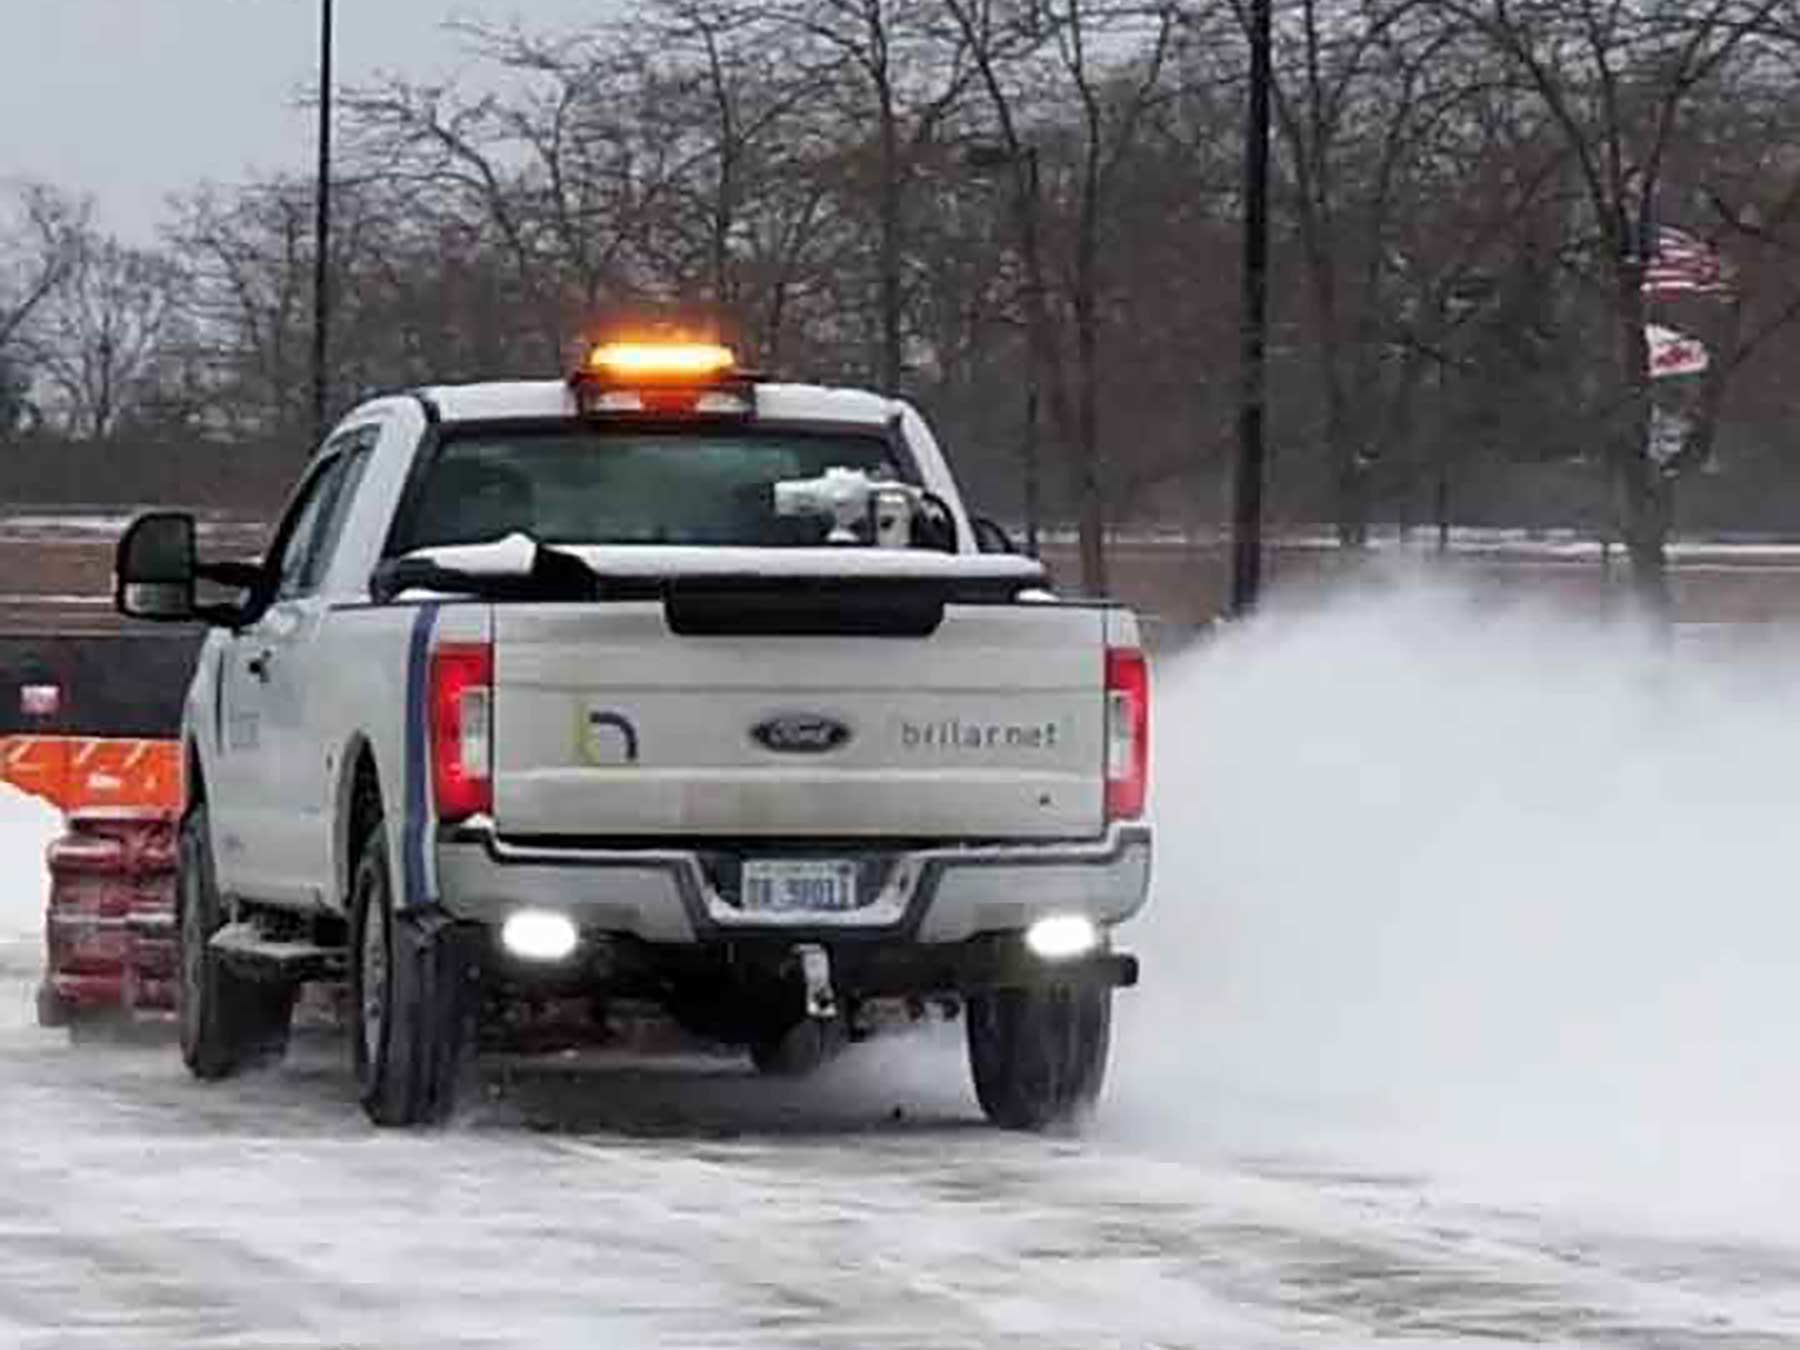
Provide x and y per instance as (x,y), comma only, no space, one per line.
(1485,889)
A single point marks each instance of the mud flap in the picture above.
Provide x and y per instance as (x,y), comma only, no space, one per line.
(431,1040)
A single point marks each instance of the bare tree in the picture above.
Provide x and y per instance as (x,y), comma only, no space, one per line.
(1353,93)
(1005,43)
(40,237)
(249,263)
(1617,81)
(102,337)
(40,242)
(883,60)
(1111,99)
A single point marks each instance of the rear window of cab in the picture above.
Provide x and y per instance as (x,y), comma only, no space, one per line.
(631,485)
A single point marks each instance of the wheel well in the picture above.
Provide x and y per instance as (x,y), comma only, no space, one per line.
(193,795)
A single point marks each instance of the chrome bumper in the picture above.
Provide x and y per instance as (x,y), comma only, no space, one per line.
(936,895)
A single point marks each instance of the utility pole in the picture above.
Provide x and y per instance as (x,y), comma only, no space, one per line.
(1246,541)
(322,232)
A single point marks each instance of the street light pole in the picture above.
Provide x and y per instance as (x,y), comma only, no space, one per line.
(322,231)
(1246,569)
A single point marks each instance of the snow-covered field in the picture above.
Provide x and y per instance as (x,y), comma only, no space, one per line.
(1467,1017)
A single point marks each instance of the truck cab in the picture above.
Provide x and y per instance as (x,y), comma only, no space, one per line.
(660,686)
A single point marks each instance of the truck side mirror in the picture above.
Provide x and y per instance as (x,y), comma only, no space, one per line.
(157,576)
(156,568)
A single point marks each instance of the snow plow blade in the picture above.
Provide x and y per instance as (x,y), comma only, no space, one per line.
(109,923)
(76,772)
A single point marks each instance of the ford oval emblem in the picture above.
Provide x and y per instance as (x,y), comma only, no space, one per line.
(801,734)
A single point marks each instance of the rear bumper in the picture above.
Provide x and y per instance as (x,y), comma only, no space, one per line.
(675,895)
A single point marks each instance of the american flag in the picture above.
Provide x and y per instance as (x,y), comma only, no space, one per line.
(1684,265)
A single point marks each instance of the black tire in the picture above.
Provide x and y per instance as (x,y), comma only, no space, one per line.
(412,1000)
(1038,1056)
(53,1010)
(225,1020)
(801,1050)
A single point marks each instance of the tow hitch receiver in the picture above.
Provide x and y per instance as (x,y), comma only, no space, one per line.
(815,970)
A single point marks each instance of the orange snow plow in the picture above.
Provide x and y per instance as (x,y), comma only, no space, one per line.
(73,772)
(109,925)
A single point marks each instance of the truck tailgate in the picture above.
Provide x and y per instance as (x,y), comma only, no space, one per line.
(608,723)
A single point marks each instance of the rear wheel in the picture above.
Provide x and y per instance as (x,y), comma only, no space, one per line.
(411,997)
(1038,1055)
(225,1020)
(800,1050)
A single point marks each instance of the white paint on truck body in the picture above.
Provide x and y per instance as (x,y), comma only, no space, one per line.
(989,728)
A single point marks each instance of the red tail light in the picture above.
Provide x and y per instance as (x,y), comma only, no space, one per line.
(1127,734)
(462,702)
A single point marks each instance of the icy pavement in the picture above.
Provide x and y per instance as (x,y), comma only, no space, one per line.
(686,1203)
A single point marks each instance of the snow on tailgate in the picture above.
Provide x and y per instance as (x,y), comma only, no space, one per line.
(513,556)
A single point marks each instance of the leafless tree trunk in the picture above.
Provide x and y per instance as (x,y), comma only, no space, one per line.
(104,333)
(1112,104)
(909,97)
(999,44)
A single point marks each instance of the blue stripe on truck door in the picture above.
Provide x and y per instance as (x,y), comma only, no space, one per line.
(418,759)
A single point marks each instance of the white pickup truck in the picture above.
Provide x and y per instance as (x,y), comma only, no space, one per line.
(664,685)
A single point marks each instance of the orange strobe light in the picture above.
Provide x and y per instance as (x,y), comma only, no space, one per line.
(661,360)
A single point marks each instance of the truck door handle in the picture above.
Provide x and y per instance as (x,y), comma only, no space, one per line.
(258,666)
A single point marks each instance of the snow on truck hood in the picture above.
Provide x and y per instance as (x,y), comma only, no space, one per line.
(514,555)
(551,398)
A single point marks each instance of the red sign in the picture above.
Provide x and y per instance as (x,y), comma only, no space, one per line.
(1673,353)
(40,700)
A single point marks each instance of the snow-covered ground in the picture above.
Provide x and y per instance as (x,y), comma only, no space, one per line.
(27,825)
(1466,1018)
(1547,544)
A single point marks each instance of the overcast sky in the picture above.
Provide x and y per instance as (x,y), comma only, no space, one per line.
(130,100)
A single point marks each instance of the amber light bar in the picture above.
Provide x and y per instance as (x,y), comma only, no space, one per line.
(661,360)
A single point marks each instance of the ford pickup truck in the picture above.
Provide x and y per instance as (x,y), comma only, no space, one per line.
(663,686)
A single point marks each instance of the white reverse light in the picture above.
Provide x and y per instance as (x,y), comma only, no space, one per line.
(539,935)
(1062,936)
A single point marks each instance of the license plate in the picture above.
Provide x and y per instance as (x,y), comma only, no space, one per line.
(794,886)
